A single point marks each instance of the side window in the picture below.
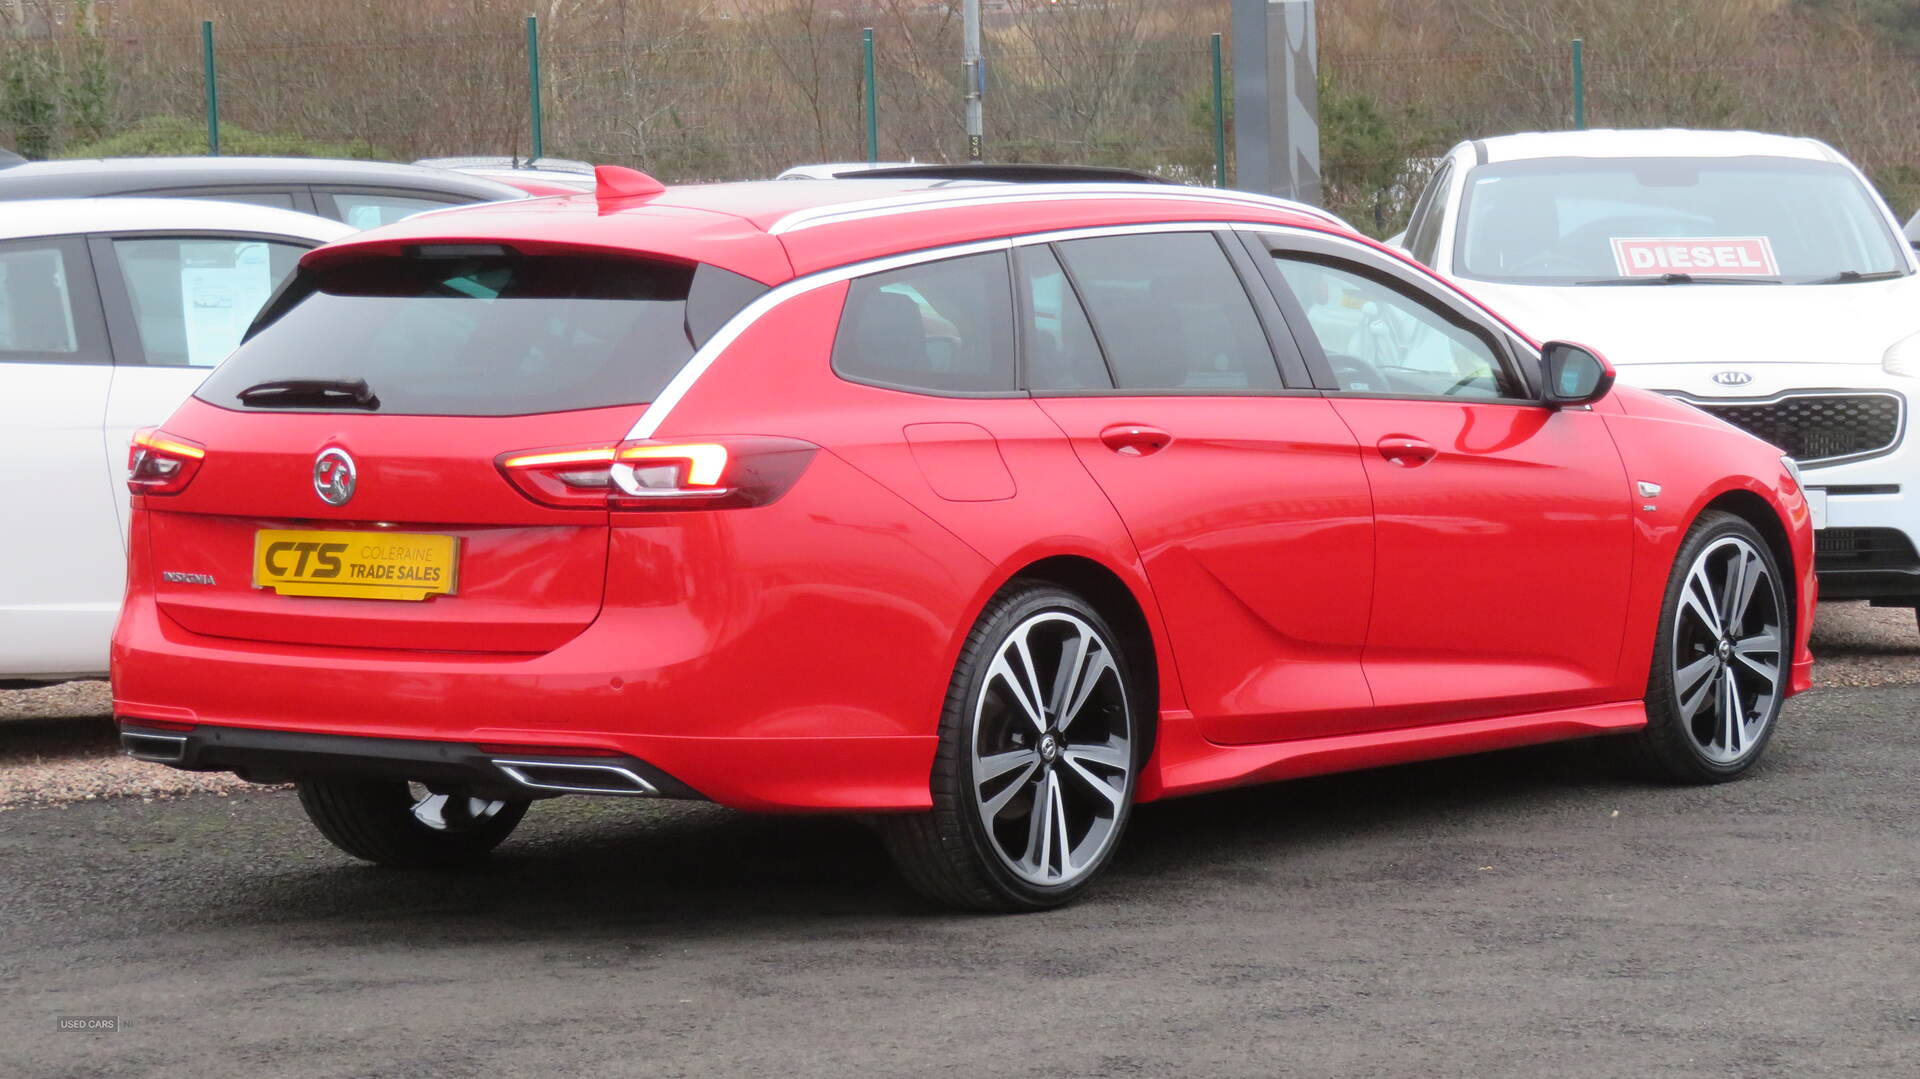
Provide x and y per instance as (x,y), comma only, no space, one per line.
(1378,339)
(194,298)
(279,200)
(1171,312)
(1057,339)
(1424,241)
(943,327)
(48,313)
(365,211)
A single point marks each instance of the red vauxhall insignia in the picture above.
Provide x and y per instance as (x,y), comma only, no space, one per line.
(988,510)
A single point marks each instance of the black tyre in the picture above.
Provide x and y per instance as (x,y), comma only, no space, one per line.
(1720,661)
(1039,752)
(401,824)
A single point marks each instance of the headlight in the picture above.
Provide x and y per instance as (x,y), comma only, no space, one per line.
(1794,471)
(1903,357)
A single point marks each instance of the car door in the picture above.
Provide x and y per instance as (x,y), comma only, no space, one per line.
(1502,532)
(176,304)
(1244,493)
(60,575)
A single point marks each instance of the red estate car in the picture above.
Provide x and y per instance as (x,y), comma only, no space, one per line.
(989,510)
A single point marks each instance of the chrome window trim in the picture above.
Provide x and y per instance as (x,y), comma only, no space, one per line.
(656,413)
(1899,426)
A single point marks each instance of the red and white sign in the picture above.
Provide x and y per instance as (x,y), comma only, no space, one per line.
(1718,256)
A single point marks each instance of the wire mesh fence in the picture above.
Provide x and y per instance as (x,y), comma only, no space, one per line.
(694,94)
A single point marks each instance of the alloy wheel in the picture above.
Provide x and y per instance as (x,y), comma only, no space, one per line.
(450,812)
(1727,669)
(1052,749)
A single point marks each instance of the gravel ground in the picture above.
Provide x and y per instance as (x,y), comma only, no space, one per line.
(57,744)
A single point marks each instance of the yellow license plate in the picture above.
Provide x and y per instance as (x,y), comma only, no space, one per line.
(358,565)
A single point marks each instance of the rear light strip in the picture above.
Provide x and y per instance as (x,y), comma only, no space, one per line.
(722,473)
(161,464)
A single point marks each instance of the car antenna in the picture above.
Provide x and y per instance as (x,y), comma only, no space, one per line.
(619,182)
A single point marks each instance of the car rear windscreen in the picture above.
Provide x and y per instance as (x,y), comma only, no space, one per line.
(486,334)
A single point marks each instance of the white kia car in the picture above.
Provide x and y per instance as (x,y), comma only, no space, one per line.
(1759,277)
(111,312)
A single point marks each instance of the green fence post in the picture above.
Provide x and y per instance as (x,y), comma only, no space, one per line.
(1219,119)
(213,87)
(873,99)
(533,82)
(1579,87)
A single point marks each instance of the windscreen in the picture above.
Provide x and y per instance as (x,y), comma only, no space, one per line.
(1559,221)
(491,334)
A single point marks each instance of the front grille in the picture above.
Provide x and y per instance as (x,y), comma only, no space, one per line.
(1862,548)
(1812,428)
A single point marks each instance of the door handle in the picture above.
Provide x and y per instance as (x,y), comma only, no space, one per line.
(1135,439)
(1405,451)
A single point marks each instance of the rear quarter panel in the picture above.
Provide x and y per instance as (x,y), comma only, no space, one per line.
(777,378)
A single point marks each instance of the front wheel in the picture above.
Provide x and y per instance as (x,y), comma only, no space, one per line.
(1033,781)
(405,824)
(1721,658)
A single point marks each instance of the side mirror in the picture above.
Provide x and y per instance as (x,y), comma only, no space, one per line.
(1576,374)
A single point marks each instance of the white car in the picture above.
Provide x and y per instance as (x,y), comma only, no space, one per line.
(111,312)
(1759,277)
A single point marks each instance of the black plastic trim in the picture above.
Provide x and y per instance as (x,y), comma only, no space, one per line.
(264,756)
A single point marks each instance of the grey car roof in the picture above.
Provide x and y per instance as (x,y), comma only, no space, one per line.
(89,177)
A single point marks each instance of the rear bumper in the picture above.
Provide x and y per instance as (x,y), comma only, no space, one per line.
(791,657)
(282,756)
(277,711)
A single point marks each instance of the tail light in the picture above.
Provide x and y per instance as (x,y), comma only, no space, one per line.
(721,473)
(161,464)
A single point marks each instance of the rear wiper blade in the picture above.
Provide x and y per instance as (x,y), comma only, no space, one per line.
(1848,277)
(310,393)
(1684,279)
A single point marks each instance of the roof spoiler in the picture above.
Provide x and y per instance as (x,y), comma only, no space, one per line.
(1009,174)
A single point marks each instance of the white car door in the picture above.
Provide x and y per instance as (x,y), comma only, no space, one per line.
(61,561)
(176,305)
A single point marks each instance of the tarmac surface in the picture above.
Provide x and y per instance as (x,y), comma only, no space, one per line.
(1529,913)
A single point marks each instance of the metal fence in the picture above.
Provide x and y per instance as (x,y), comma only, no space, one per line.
(722,99)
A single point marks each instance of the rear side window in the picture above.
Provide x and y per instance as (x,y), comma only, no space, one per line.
(1062,353)
(279,200)
(194,298)
(491,334)
(47,309)
(939,327)
(1171,313)
(367,211)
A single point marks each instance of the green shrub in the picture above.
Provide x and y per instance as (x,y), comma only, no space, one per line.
(177,136)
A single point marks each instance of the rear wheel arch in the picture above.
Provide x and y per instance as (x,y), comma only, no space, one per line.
(1108,593)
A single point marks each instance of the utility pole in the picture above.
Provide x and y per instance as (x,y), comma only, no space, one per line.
(976,73)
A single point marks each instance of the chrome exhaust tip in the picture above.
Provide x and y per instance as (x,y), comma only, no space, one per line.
(158,748)
(569,778)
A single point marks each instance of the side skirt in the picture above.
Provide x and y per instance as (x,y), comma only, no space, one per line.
(1186,763)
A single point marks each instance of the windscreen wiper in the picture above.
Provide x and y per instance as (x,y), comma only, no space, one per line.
(310,393)
(1684,279)
(1848,277)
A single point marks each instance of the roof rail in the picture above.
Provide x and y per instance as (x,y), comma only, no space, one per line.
(951,197)
(546,164)
(1006,173)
